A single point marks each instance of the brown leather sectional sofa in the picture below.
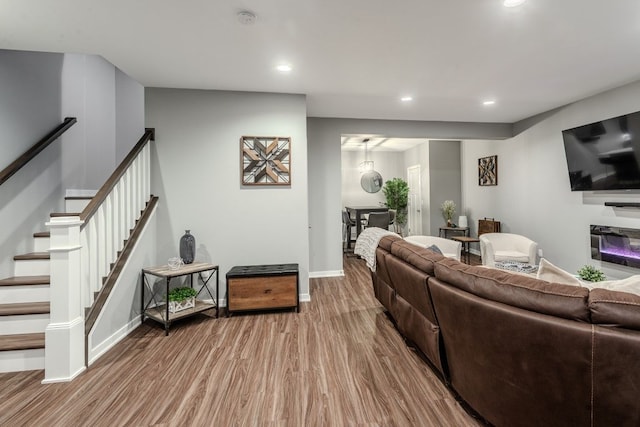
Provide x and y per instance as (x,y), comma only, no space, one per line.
(519,351)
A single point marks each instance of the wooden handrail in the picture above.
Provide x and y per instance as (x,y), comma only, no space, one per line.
(18,163)
(104,191)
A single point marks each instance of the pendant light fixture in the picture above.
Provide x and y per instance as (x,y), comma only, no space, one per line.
(366,165)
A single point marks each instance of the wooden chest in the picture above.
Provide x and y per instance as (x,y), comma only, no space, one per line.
(262,287)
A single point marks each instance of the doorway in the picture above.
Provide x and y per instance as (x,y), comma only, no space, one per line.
(414,208)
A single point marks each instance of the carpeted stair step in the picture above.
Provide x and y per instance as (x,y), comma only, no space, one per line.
(21,341)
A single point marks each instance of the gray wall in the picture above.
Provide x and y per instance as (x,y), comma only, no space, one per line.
(196,174)
(325,223)
(533,195)
(445,181)
(30,90)
(37,90)
(129,110)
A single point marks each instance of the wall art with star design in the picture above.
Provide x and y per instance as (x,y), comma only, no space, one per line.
(265,160)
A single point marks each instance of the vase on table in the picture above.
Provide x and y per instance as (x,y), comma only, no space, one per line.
(187,247)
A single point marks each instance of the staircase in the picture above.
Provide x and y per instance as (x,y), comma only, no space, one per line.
(24,307)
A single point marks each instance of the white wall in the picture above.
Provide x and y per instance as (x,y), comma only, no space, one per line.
(533,195)
(388,163)
(196,174)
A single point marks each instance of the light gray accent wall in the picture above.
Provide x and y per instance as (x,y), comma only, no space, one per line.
(196,174)
(29,100)
(445,181)
(533,195)
(89,93)
(325,200)
(30,91)
(325,190)
(37,91)
(129,114)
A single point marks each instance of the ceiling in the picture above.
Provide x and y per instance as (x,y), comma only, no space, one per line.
(354,58)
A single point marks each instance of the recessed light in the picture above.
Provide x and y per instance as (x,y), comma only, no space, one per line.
(488,102)
(512,3)
(406,98)
(284,68)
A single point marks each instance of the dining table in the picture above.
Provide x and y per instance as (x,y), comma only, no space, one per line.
(358,211)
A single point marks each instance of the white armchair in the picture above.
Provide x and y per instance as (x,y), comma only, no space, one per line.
(507,247)
(449,248)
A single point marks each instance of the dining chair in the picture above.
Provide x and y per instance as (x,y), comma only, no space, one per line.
(378,219)
(347,225)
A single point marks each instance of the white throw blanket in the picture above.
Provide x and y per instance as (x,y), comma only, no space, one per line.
(367,243)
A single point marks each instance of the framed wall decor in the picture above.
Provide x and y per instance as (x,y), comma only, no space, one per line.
(265,160)
(488,170)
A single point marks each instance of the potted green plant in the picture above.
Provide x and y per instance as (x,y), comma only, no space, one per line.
(591,274)
(396,191)
(448,211)
(181,298)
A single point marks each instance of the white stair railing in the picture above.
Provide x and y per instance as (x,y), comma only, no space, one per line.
(83,247)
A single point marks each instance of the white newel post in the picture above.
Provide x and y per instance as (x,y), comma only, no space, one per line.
(64,336)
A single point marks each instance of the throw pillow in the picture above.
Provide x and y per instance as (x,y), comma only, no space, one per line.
(435,249)
(630,285)
(551,273)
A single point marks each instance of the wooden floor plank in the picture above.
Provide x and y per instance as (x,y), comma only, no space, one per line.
(340,361)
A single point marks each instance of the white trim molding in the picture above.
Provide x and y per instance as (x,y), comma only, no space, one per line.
(329,273)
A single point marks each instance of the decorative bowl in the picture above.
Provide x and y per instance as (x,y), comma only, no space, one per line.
(175,263)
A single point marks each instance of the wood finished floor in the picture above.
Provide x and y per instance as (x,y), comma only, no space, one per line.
(339,362)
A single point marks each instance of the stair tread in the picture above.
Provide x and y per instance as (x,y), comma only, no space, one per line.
(32,256)
(42,234)
(23,308)
(78,197)
(25,281)
(21,341)
(58,214)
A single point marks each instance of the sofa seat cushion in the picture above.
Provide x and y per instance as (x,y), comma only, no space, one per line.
(518,290)
(511,256)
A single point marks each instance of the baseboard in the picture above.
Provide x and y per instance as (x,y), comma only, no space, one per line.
(80,193)
(304,297)
(96,352)
(64,379)
(329,273)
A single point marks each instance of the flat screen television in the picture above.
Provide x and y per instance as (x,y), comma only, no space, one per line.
(604,155)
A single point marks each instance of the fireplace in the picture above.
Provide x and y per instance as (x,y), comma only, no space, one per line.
(615,244)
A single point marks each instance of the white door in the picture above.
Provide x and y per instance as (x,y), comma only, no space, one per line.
(414,220)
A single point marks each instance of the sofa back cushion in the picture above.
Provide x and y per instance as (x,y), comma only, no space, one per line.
(613,308)
(421,258)
(518,290)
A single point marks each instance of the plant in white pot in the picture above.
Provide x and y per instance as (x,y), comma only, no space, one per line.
(181,299)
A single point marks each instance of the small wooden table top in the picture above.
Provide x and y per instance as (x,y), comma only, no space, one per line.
(465,239)
(165,271)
